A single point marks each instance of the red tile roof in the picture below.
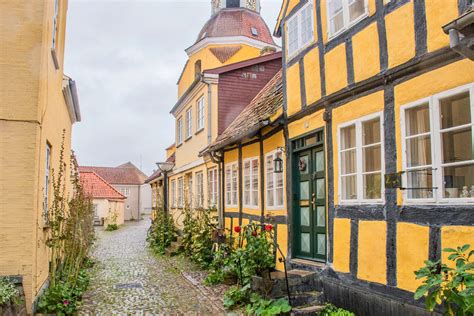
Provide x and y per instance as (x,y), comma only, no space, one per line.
(236,22)
(225,53)
(97,188)
(127,173)
(265,104)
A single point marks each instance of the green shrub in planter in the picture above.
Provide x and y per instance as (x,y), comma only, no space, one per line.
(8,292)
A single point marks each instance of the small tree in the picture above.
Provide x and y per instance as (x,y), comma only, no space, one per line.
(452,288)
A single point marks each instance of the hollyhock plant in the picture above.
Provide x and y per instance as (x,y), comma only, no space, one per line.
(269,227)
(237,229)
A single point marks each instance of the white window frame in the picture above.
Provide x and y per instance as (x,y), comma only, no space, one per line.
(199,189)
(189,123)
(173,193)
(251,176)
(275,206)
(200,114)
(345,16)
(436,146)
(360,161)
(297,18)
(231,180)
(213,187)
(180,192)
(55,28)
(47,176)
(179,131)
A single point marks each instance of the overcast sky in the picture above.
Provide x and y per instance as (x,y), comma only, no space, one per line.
(126,57)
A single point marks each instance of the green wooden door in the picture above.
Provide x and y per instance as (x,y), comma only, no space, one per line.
(310,204)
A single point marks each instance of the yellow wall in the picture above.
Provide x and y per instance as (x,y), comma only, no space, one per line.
(412,251)
(342,244)
(453,237)
(312,76)
(293,89)
(307,124)
(33,112)
(401,45)
(438,14)
(362,53)
(336,69)
(372,259)
(209,61)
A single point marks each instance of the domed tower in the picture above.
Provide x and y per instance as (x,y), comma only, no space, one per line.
(235,32)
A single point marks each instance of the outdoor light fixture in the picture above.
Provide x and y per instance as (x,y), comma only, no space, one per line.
(165,167)
(278,162)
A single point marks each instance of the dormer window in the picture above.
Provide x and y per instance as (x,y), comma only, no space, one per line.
(233,3)
(254,31)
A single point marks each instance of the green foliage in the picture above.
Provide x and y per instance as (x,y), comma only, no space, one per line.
(8,292)
(63,298)
(214,277)
(198,226)
(255,252)
(261,306)
(162,232)
(220,266)
(331,310)
(236,296)
(111,227)
(452,288)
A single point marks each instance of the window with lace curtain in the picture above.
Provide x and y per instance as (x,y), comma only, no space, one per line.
(251,182)
(231,182)
(274,183)
(342,14)
(438,147)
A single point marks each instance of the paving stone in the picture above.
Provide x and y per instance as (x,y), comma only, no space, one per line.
(128,280)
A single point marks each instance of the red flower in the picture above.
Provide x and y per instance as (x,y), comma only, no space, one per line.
(269,227)
(237,229)
(254,233)
(66,302)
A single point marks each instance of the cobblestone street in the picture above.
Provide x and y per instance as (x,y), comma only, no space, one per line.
(128,279)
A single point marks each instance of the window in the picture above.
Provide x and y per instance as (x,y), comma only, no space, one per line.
(189,123)
(251,182)
(55,24)
(95,208)
(125,191)
(179,131)
(200,114)
(438,149)
(342,14)
(197,69)
(47,170)
(213,183)
(173,193)
(180,192)
(300,29)
(189,196)
(361,160)
(274,183)
(199,189)
(231,184)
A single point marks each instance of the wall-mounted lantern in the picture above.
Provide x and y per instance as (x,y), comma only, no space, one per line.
(278,162)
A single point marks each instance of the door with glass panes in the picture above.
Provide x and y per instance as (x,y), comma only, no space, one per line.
(310,204)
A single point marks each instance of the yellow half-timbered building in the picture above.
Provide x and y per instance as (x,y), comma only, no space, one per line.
(379,113)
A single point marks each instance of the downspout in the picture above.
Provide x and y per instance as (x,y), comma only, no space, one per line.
(209,112)
(262,179)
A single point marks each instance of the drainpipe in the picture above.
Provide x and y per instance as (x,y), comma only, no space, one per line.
(209,113)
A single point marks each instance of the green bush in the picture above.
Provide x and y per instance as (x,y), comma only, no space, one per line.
(236,296)
(162,232)
(331,310)
(63,298)
(261,306)
(111,227)
(8,292)
(452,288)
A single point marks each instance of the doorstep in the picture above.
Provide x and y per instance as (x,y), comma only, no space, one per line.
(308,265)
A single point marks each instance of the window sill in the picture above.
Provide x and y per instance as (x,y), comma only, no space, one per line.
(361,203)
(188,138)
(199,131)
(251,207)
(297,52)
(275,208)
(55,58)
(439,203)
(179,145)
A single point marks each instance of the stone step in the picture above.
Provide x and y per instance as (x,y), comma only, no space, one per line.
(307,311)
(306,299)
(171,252)
(299,281)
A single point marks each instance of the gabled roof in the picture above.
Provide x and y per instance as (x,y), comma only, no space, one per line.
(125,174)
(156,174)
(255,116)
(97,188)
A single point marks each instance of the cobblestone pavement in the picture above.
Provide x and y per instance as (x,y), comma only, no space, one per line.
(128,280)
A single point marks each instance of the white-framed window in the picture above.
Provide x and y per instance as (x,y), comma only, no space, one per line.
(180,192)
(200,114)
(95,208)
(125,191)
(179,131)
(251,183)
(361,160)
(342,14)
(438,149)
(274,187)
(189,123)
(213,187)
(199,189)
(55,28)
(173,193)
(47,170)
(231,182)
(190,193)
(300,29)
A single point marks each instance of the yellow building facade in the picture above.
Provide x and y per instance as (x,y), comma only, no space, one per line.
(195,178)
(38,105)
(379,112)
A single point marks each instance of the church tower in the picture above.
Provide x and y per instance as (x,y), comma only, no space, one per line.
(235,32)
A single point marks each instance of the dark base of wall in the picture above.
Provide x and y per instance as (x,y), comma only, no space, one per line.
(367,303)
